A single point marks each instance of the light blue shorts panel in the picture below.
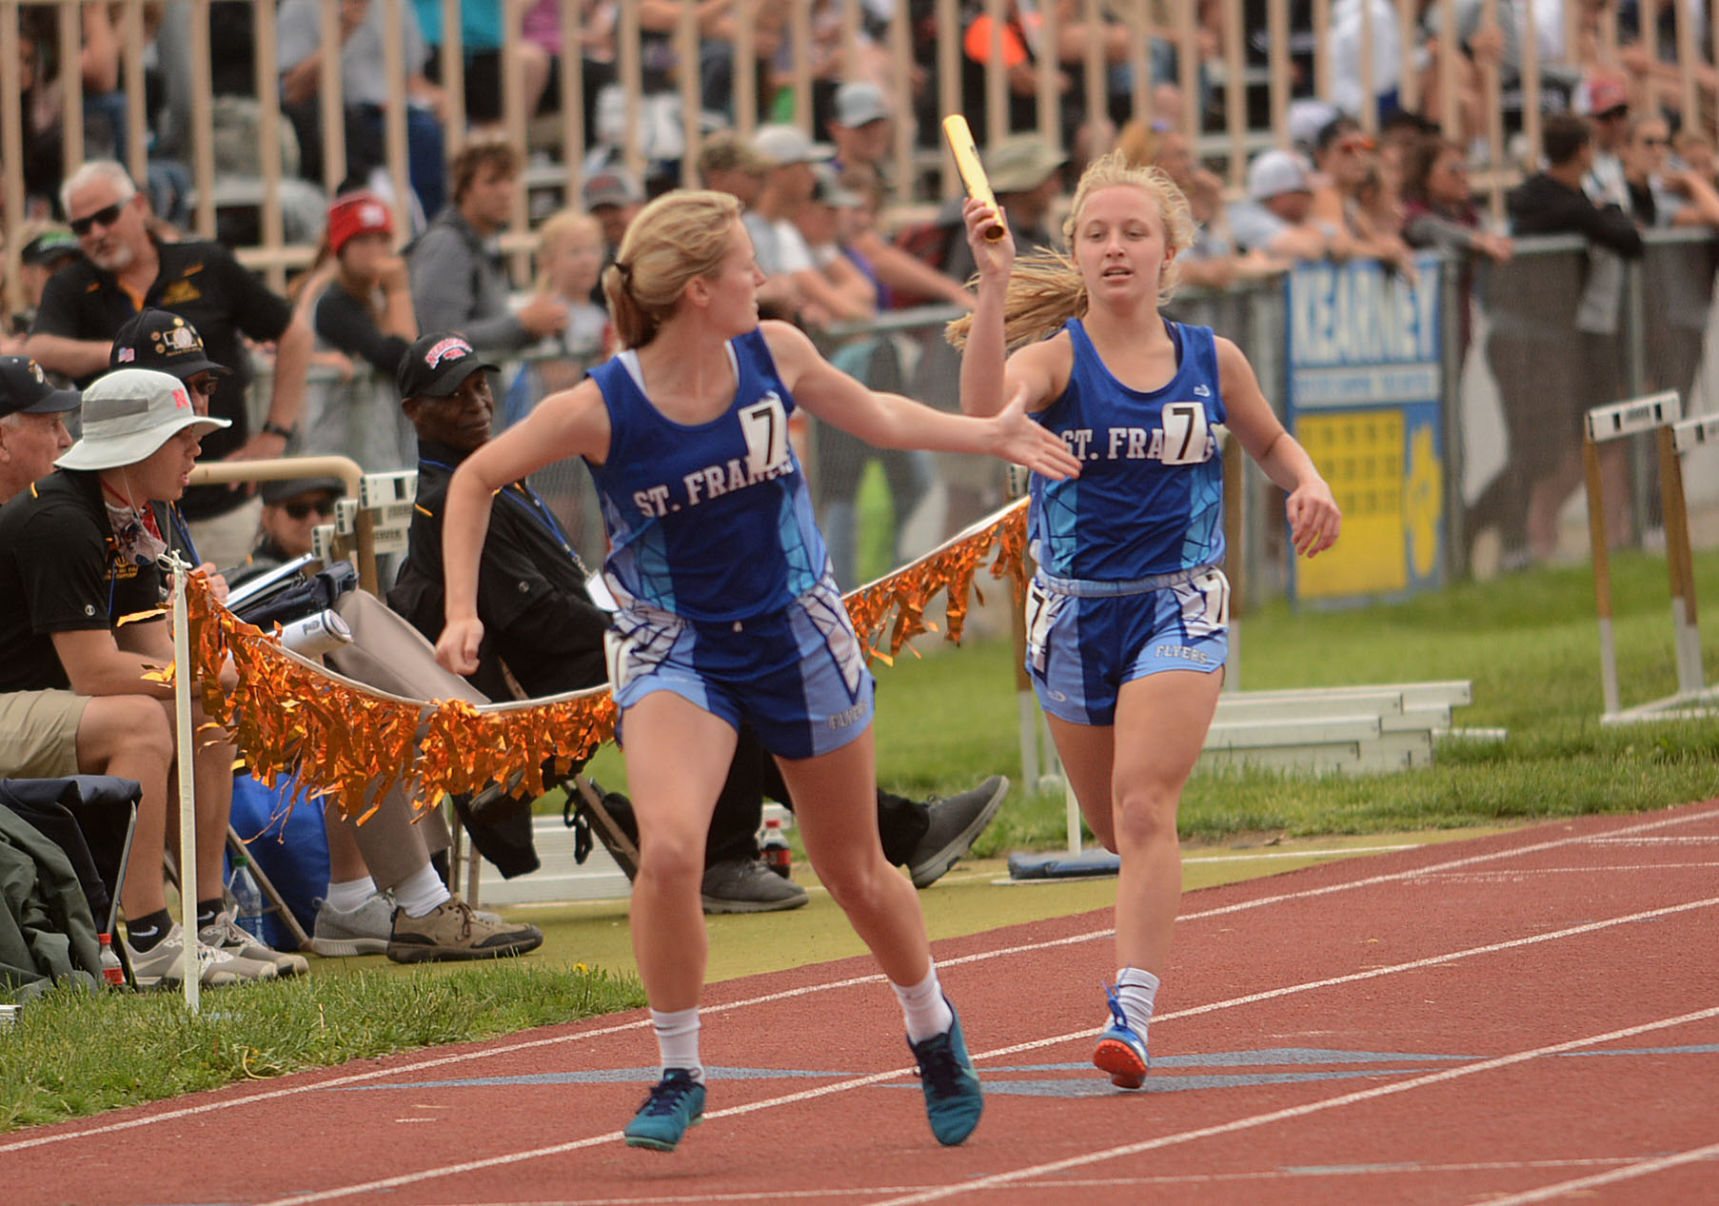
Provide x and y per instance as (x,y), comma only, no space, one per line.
(1080,650)
(798,676)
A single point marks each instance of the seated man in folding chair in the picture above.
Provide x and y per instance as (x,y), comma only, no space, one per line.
(78,552)
(541,624)
(384,894)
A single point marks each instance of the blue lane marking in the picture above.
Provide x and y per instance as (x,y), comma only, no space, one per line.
(1695,1049)
(1094,1083)
(1266,1056)
(602,1076)
(1043,1080)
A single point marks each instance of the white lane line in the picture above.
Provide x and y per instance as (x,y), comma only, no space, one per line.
(1372,973)
(1258,856)
(442,1061)
(1504,877)
(804,1194)
(1255,1121)
(1645,1168)
(1704,839)
(1472,860)
(860,1082)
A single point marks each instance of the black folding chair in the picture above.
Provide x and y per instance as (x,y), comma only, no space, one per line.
(92,819)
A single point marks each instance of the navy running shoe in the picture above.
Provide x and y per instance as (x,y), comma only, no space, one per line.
(675,1103)
(1121,1051)
(953,1099)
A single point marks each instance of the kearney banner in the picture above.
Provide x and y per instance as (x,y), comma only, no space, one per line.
(1365,391)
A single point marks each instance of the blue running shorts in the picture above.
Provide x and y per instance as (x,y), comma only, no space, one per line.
(1085,639)
(798,675)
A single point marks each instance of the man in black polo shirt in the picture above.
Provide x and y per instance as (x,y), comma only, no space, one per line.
(78,567)
(126,268)
(540,621)
(49,734)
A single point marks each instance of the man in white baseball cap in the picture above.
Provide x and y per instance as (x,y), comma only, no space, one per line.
(1276,216)
(786,145)
(860,128)
(78,558)
(787,154)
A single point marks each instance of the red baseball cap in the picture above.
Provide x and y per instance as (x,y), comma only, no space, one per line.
(1606,94)
(357,213)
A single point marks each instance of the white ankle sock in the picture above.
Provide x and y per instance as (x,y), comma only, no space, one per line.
(422,892)
(924,1008)
(677,1040)
(349,894)
(1138,992)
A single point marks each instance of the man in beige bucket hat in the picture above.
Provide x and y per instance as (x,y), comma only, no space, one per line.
(79,552)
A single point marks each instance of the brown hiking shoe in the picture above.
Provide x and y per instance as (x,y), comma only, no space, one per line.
(453,931)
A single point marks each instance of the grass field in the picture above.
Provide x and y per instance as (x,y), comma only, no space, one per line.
(1528,643)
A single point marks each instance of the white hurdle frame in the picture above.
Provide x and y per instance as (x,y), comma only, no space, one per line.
(1662,414)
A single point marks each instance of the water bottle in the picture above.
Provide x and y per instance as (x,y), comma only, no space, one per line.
(777,856)
(112,974)
(247,897)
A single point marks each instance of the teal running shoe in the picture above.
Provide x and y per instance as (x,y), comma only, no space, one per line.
(675,1103)
(953,1099)
(1121,1051)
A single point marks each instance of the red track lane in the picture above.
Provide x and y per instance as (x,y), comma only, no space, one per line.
(1531,1016)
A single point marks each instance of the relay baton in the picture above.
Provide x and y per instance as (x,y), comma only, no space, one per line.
(960,137)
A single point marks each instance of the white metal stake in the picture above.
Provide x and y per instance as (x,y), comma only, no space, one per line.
(190,969)
(1608,668)
(1029,722)
(1073,818)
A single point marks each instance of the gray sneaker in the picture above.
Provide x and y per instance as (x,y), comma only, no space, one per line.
(226,934)
(746,885)
(452,930)
(956,824)
(362,931)
(161,965)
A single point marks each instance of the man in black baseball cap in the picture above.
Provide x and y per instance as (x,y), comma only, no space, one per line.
(292,508)
(44,254)
(162,340)
(166,342)
(543,631)
(437,365)
(51,249)
(32,423)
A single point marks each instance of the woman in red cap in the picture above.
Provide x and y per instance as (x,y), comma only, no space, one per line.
(364,312)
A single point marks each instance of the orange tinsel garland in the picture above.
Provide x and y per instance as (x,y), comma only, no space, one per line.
(353,744)
(908,591)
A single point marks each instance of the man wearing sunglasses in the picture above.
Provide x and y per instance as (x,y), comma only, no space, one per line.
(291,510)
(126,268)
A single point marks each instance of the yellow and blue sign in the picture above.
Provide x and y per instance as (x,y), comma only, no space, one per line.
(1365,398)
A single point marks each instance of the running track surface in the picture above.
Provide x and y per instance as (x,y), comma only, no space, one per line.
(1527,1017)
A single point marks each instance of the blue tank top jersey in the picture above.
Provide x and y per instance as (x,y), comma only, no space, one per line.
(1149,498)
(714,521)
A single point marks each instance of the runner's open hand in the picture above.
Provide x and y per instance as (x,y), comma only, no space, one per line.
(1023,441)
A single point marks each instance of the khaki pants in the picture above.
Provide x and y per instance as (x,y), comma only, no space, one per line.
(389,654)
(39,733)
